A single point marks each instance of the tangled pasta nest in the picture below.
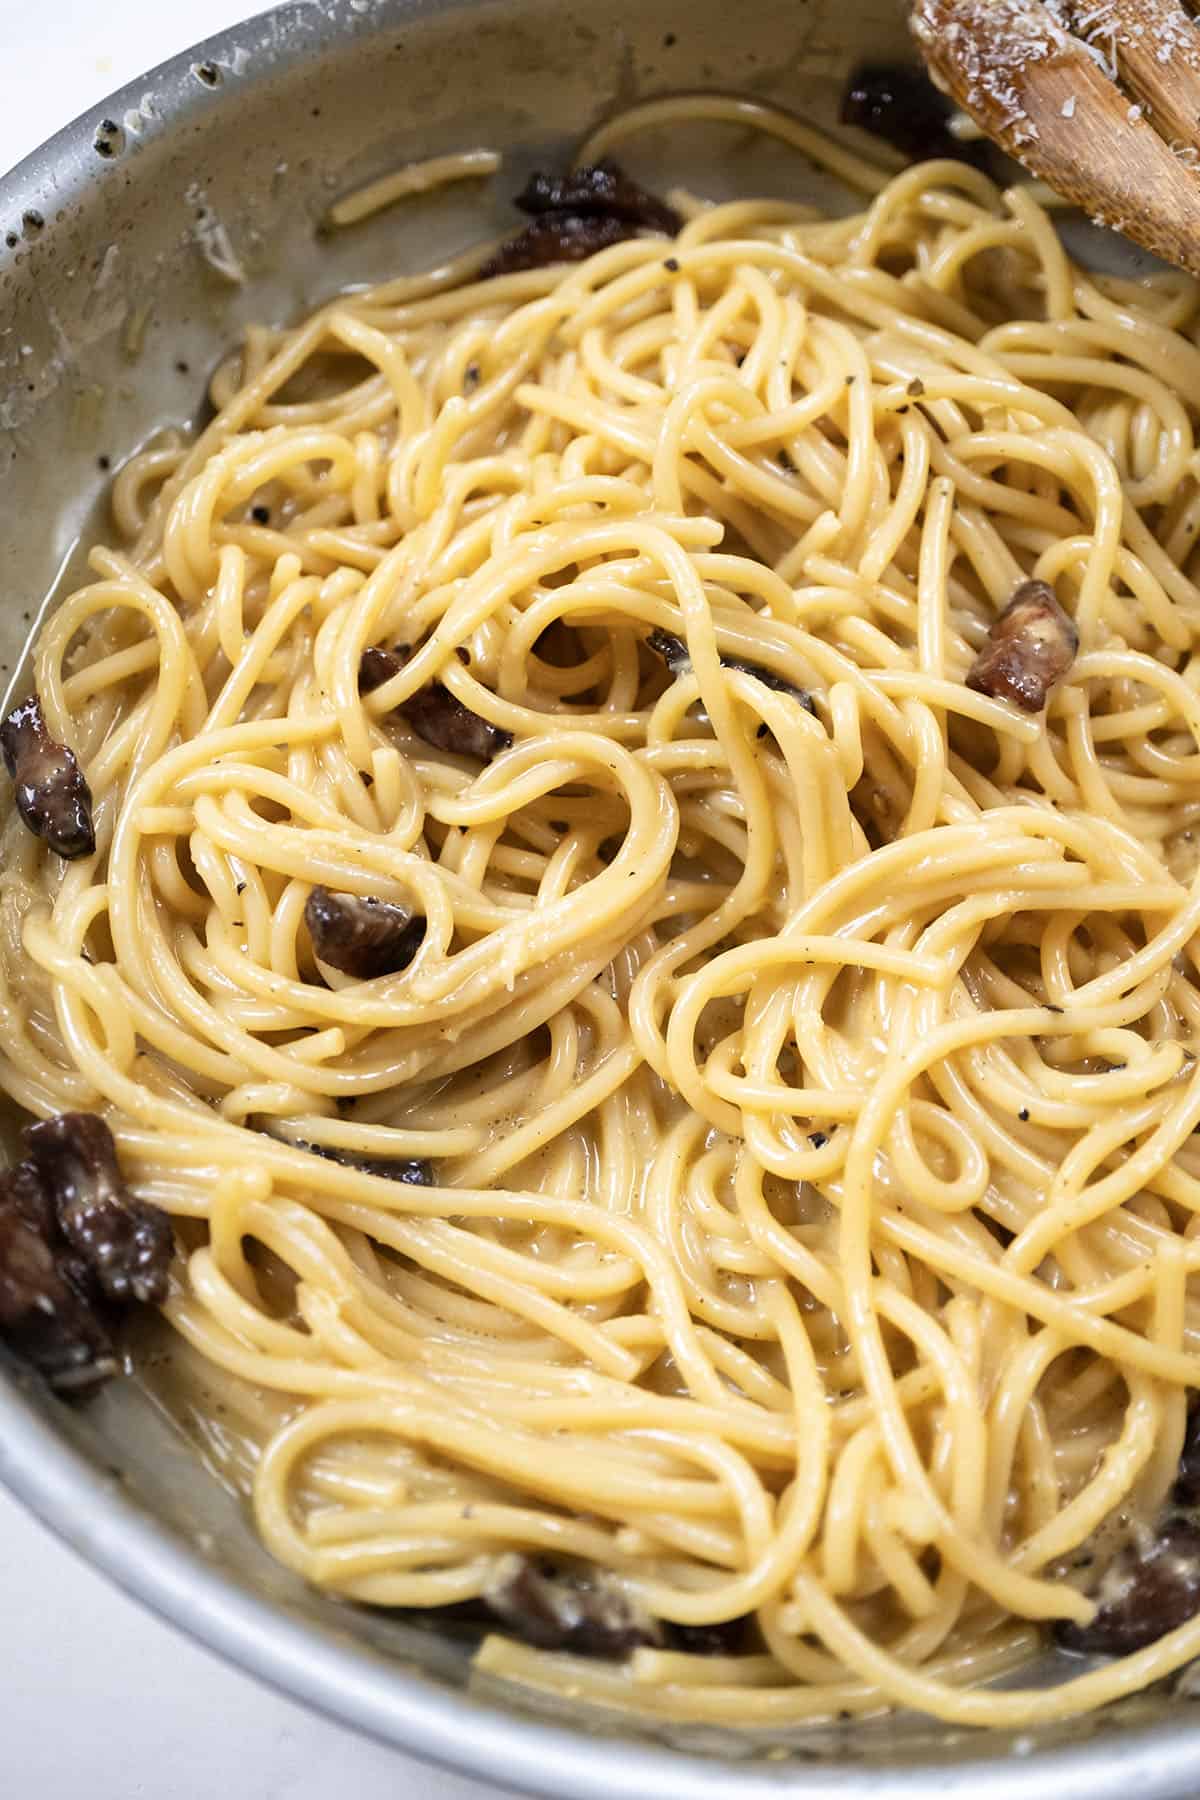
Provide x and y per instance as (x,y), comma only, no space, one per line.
(795,1072)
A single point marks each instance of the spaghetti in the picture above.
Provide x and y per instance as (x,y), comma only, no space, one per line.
(805,1067)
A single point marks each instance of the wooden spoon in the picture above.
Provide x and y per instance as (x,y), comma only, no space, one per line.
(1100,98)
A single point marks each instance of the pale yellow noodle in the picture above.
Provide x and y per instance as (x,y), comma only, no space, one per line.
(414,178)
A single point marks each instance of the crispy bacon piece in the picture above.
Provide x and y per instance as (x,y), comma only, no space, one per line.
(53,798)
(1030,646)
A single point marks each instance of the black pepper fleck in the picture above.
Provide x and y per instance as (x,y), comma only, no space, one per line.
(1023,1115)
(261,515)
(109,139)
(672,263)
(104,462)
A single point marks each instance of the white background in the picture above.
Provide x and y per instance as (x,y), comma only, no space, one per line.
(97,1700)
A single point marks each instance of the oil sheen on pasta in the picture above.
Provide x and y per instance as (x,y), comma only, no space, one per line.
(810,1098)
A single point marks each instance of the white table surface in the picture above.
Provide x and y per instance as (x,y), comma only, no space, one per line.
(98,1699)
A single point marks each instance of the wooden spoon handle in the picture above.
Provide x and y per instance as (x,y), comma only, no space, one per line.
(1154,47)
(1038,92)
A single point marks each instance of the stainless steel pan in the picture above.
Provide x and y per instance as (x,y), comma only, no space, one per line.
(133,247)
